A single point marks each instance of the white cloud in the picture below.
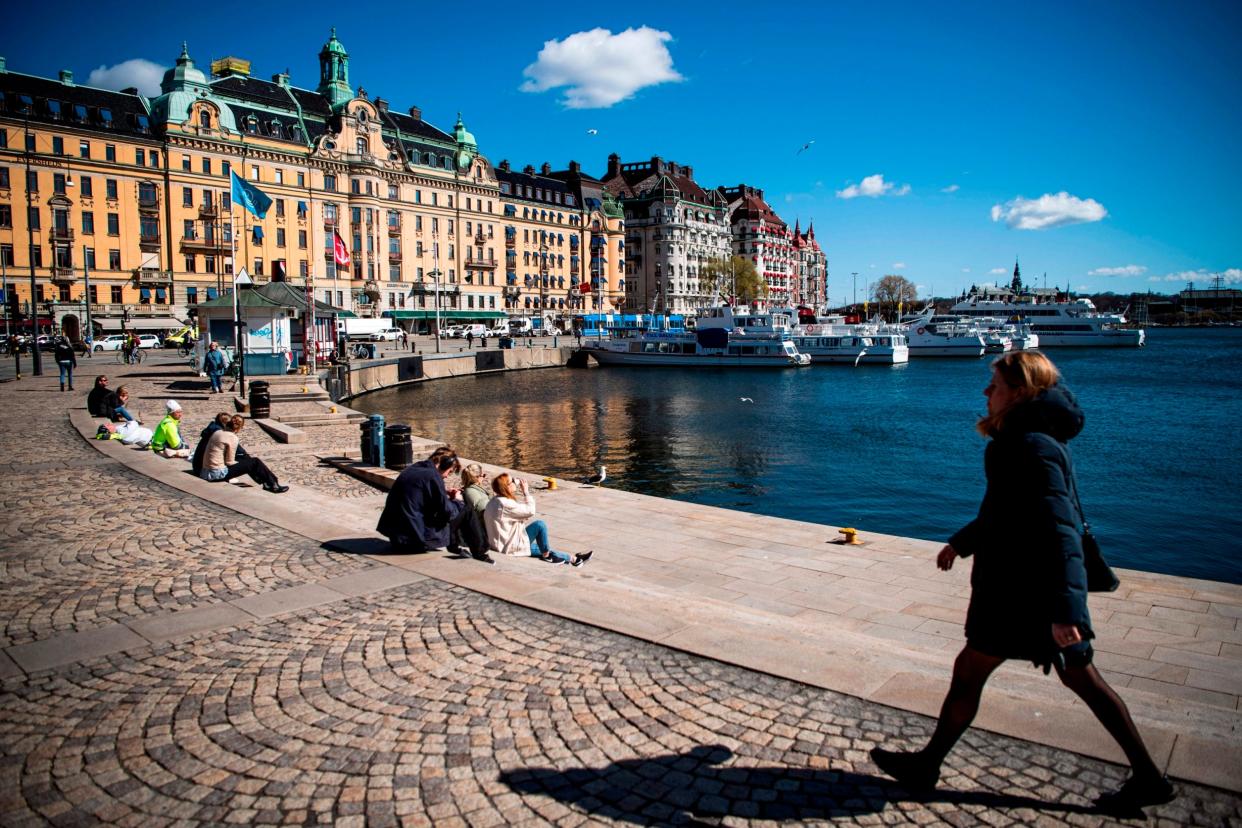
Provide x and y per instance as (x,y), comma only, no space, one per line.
(143,74)
(601,68)
(952,188)
(1127,270)
(1049,210)
(998,271)
(899,265)
(1203,278)
(965,269)
(873,186)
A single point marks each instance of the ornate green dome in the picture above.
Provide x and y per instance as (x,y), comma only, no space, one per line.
(333,46)
(184,75)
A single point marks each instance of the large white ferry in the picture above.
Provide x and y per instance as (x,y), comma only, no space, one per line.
(830,338)
(932,334)
(1057,322)
(722,337)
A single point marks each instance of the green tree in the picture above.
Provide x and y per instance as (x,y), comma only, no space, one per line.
(722,279)
(892,290)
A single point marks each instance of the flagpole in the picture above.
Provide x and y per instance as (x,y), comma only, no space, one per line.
(237,354)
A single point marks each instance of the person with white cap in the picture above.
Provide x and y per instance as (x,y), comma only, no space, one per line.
(167,440)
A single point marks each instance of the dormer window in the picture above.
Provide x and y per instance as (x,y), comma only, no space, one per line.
(143,122)
(362,146)
(53,109)
(24,103)
(105,116)
(204,118)
(274,127)
(252,125)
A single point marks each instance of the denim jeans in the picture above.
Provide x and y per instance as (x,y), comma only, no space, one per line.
(123,414)
(537,531)
(66,370)
(215,381)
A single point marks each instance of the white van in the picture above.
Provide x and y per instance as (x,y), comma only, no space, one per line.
(476,330)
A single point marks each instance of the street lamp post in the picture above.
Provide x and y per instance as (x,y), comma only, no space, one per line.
(37,357)
(435,279)
(855,275)
(86,296)
(241,278)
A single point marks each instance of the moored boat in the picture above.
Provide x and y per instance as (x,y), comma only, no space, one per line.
(722,338)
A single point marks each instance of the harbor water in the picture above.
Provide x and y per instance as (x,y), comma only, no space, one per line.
(887,449)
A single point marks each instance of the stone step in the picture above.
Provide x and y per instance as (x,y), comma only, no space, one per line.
(314,417)
(309,396)
(336,419)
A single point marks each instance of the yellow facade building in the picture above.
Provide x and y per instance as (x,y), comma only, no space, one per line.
(133,195)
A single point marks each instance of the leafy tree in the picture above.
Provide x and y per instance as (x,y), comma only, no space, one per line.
(893,289)
(723,279)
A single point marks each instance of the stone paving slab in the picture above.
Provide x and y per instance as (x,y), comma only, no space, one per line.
(74,647)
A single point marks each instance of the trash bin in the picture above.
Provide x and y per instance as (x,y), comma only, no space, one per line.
(506,342)
(398,452)
(370,350)
(376,421)
(260,400)
(365,428)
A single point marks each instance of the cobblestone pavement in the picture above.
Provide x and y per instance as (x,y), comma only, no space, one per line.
(420,704)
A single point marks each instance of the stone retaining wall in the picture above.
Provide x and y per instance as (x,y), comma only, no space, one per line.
(345,382)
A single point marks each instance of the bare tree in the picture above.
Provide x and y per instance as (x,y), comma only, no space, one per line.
(892,290)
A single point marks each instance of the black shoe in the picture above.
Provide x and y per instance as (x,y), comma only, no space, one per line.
(583,558)
(910,769)
(1136,794)
(485,558)
(277,489)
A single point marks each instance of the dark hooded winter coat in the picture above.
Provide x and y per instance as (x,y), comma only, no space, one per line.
(1027,539)
(418,512)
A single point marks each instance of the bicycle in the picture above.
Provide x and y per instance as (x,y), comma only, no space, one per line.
(184,349)
(134,358)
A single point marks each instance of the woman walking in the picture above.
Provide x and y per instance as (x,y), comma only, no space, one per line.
(67,361)
(509,533)
(1029,584)
(214,366)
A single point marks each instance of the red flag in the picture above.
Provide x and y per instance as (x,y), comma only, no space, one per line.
(339,251)
(584,287)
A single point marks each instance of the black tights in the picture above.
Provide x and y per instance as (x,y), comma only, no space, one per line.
(971,671)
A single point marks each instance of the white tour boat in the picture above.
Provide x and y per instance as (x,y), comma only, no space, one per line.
(831,339)
(722,337)
(930,334)
(1071,322)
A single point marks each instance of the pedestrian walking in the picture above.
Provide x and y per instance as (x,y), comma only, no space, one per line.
(469,339)
(67,361)
(1029,582)
(214,366)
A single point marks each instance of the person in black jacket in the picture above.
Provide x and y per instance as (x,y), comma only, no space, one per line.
(101,401)
(1029,585)
(66,359)
(419,511)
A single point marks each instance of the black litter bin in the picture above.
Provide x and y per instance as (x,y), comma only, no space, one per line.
(398,452)
(260,400)
(366,441)
(506,342)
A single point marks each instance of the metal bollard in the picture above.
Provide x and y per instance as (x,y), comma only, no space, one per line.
(377,439)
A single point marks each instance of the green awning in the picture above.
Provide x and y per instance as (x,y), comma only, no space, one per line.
(444,314)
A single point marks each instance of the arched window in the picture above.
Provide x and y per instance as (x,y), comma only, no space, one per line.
(146,192)
(362,146)
(204,118)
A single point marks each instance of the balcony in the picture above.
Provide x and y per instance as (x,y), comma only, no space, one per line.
(394,227)
(60,235)
(329,222)
(485,264)
(149,244)
(208,211)
(512,291)
(395,258)
(199,244)
(152,277)
(62,274)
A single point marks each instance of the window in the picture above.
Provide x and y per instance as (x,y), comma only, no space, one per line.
(4,139)
(329,182)
(155,158)
(355,186)
(211,263)
(418,224)
(280,176)
(84,149)
(6,254)
(32,181)
(140,157)
(110,187)
(280,207)
(185,162)
(187,229)
(110,152)
(206,165)
(191,295)
(301,179)
(303,269)
(302,239)
(187,197)
(280,237)
(204,118)
(190,262)
(88,223)
(30,142)
(258,267)
(85,186)
(254,172)
(33,218)
(149,228)
(226,167)
(6,215)
(114,263)
(36,256)
(88,257)
(392,191)
(418,196)
(114,224)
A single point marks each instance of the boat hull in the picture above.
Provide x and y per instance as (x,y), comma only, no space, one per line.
(1126,338)
(974,350)
(605,357)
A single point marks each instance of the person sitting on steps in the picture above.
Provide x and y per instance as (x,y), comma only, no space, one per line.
(220,461)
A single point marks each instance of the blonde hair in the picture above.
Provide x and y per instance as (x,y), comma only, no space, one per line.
(1027,373)
(502,484)
(471,473)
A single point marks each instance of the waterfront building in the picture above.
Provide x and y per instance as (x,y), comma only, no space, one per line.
(137,190)
(673,227)
(810,269)
(760,235)
(563,241)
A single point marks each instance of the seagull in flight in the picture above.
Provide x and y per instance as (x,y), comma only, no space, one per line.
(592,132)
(596,479)
(746,399)
(805,147)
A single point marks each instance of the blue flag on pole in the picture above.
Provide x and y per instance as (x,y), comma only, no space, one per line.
(250,196)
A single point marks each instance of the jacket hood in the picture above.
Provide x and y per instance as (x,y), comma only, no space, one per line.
(1054,412)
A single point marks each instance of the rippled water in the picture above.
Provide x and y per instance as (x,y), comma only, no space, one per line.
(887,449)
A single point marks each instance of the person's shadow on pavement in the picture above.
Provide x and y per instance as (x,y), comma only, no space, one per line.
(691,789)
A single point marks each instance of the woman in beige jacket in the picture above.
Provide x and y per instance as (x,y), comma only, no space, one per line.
(510,530)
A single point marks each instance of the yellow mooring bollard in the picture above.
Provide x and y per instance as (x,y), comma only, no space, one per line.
(551,481)
(851,536)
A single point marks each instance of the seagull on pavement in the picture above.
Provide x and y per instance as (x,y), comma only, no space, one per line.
(596,479)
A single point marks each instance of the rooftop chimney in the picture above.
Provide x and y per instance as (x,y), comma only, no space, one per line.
(66,77)
(3,65)
(130,90)
(381,104)
(504,165)
(575,167)
(281,79)
(416,113)
(687,171)
(529,169)
(614,166)
(546,169)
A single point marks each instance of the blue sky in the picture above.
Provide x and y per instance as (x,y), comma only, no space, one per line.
(1110,130)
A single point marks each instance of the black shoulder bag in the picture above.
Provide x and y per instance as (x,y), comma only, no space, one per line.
(1100,576)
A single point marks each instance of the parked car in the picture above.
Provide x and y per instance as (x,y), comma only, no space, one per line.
(386,335)
(148,341)
(112,342)
(452,332)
